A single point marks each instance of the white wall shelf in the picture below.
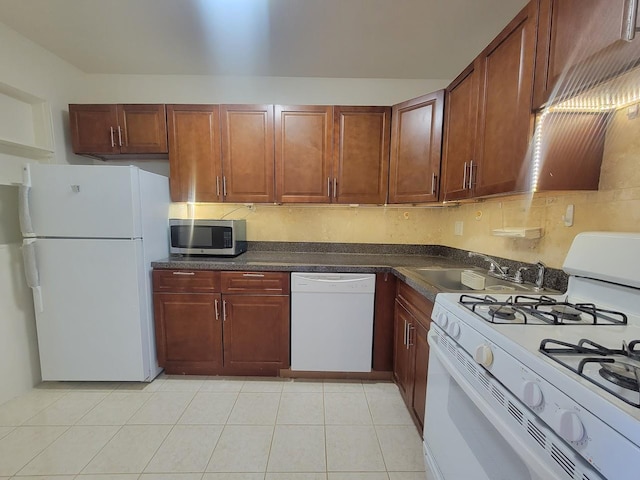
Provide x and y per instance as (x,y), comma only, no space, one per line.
(26,125)
(529,233)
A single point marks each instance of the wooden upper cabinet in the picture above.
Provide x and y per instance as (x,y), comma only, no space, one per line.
(416,144)
(303,153)
(112,130)
(194,153)
(460,122)
(580,43)
(247,153)
(361,154)
(571,150)
(505,122)
(94,129)
(143,128)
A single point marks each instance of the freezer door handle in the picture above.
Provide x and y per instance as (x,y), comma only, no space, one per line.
(24,212)
(31,271)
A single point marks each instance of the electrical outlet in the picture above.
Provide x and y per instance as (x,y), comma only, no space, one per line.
(457,228)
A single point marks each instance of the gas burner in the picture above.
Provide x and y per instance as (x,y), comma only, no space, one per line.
(503,312)
(540,310)
(566,312)
(615,370)
(622,373)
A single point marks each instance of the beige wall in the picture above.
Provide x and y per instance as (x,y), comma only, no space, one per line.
(615,207)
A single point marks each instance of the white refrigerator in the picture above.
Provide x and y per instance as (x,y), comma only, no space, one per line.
(90,235)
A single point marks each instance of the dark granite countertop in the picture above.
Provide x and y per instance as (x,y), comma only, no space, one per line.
(345,258)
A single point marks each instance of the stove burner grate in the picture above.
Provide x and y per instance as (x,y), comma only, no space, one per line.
(545,309)
(618,366)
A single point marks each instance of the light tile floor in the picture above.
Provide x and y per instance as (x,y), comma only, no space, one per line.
(210,428)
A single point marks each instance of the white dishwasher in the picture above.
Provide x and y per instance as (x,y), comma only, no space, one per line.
(332,321)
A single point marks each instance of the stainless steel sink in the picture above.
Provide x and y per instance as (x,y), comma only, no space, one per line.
(448,279)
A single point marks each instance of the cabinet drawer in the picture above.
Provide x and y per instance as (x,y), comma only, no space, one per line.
(274,283)
(415,303)
(183,281)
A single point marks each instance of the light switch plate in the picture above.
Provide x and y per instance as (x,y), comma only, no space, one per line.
(457,228)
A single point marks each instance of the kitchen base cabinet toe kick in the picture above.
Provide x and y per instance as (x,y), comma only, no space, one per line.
(221,323)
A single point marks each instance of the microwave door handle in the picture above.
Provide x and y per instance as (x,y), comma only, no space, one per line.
(31,271)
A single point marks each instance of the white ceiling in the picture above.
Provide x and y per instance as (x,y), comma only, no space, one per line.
(408,39)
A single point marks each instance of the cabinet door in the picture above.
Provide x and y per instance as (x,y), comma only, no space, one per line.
(247,153)
(402,354)
(361,154)
(506,122)
(194,153)
(571,151)
(421,348)
(94,129)
(581,42)
(416,145)
(303,153)
(188,332)
(142,128)
(256,332)
(460,121)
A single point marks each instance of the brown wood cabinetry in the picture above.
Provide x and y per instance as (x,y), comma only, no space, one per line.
(256,332)
(210,322)
(416,143)
(493,156)
(247,153)
(571,150)
(383,322)
(461,119)
(194,153)
(411,350)
(303,153)
(330,154)
(110,130)
(361,154)
(188,325)
(580,43)
(505,122)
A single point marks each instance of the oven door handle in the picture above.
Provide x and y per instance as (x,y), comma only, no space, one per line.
(533,460)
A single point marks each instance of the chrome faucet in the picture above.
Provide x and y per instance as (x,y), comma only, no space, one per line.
(494,268)
(540,275)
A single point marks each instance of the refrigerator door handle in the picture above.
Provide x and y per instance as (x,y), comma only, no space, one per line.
(31,271)
(24,213)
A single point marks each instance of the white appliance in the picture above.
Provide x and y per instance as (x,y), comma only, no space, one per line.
(541,387)
(332,321)
(90,235)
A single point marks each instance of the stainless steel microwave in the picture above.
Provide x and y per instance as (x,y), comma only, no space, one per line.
(208,237)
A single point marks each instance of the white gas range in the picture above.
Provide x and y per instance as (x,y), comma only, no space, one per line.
(501,407)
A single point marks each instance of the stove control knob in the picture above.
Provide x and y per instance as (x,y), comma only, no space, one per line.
(483,355)
(569,426)
(443,319)
(531,394)
(454,330)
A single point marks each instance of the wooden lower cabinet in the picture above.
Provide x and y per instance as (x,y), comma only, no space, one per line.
(421,348)
(215,333)
(411,350)
(403,355)
(256,332)
(188,332)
